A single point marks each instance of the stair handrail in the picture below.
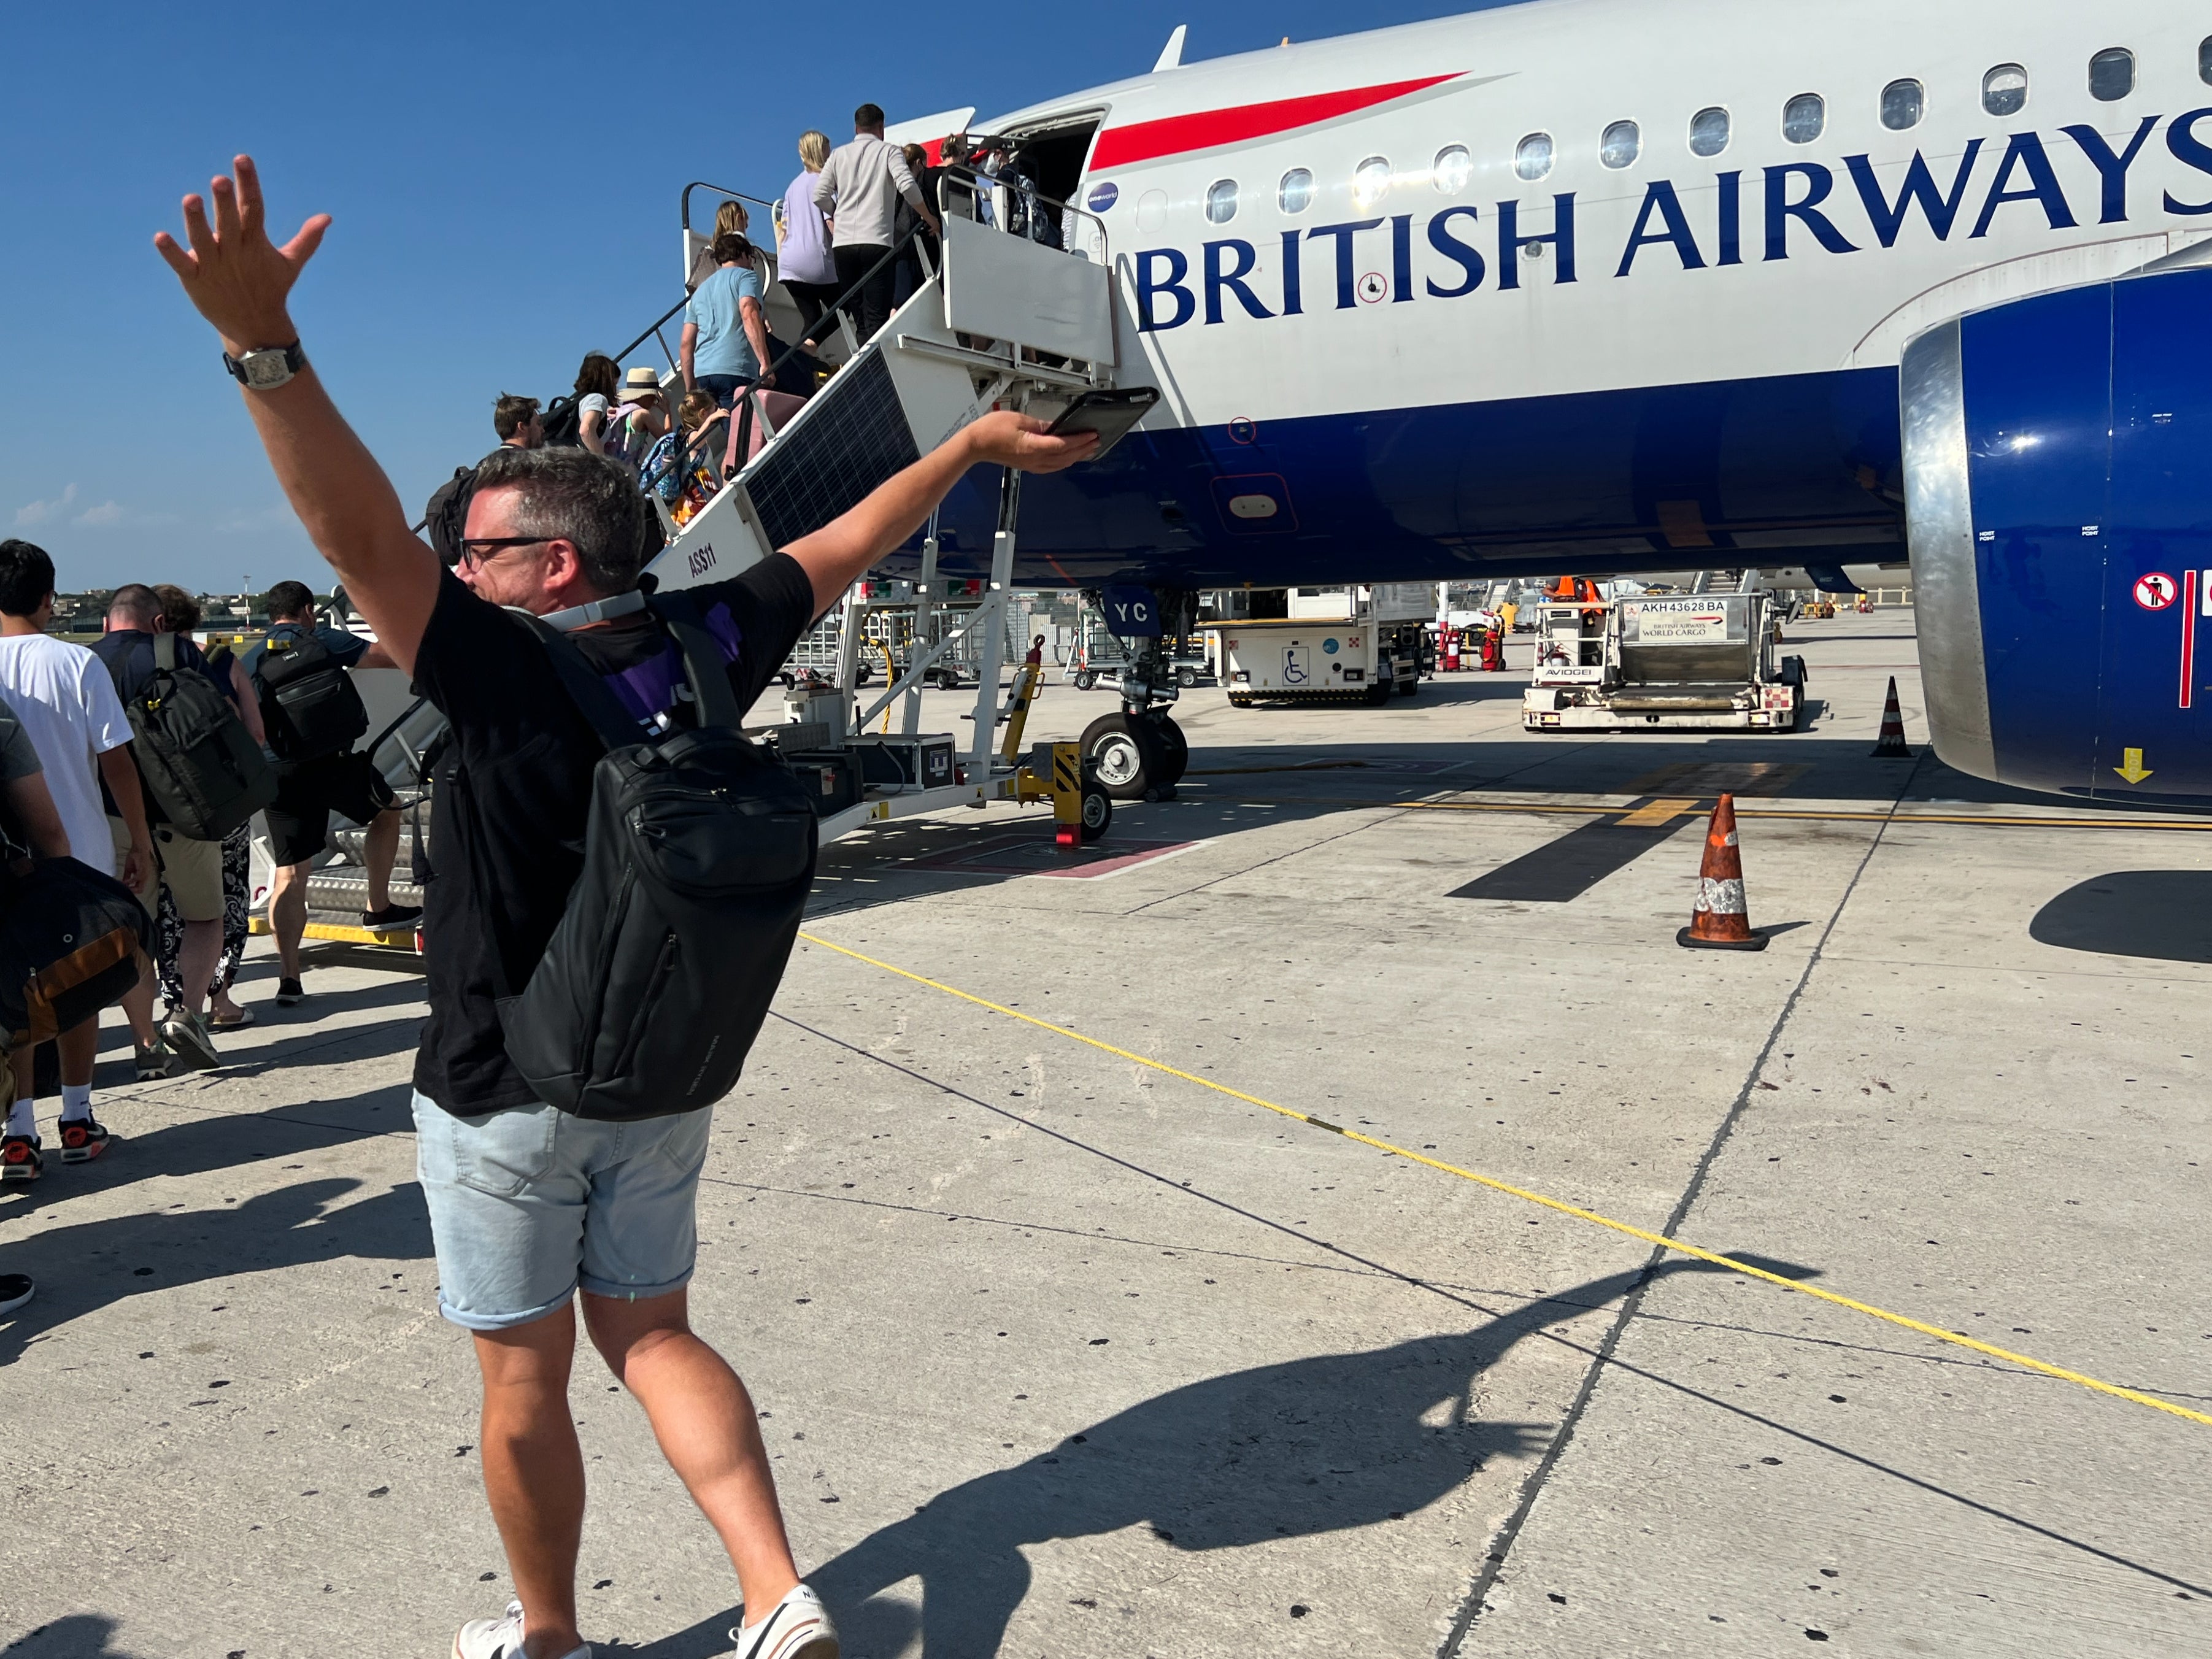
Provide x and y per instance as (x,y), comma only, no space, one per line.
(719,189)
(977,181)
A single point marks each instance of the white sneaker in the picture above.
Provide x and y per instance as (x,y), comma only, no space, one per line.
(798,1627)
(499,1638)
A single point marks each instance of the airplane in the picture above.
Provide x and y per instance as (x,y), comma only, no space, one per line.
(1610,285)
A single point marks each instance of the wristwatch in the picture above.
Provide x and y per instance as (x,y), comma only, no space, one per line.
(267,369)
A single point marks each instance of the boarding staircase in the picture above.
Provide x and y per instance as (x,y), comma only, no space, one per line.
(1002,322)
(1005,321)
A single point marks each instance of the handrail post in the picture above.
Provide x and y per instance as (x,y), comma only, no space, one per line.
(995,600)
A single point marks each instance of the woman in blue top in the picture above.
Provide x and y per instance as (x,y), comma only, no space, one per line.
(725,335)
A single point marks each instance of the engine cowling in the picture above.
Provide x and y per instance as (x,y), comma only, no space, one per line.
(2059,494)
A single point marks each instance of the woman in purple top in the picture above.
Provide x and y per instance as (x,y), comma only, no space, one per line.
(802,241)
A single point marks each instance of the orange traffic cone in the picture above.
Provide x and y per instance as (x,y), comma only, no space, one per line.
(1720,922)
(1892,746)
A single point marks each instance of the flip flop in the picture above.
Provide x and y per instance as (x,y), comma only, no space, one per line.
(245,1018)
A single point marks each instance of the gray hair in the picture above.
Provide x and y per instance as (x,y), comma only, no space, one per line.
(575,496)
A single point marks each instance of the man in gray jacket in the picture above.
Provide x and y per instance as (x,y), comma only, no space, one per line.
(859,191)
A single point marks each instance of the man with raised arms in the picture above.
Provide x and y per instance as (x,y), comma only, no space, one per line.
(531,1209)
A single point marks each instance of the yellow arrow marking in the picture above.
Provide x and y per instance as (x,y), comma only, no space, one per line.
(2134,771)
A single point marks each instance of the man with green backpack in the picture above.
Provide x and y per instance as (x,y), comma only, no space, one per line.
(314,716)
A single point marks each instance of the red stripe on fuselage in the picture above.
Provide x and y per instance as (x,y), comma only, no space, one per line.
(1148,141)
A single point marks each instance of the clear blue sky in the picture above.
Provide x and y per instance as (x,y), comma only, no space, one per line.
(505,183)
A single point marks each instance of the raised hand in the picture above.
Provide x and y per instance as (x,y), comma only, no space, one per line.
(234,275)
(1022,442)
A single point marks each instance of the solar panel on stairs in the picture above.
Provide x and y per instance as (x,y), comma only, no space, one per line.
(826,462)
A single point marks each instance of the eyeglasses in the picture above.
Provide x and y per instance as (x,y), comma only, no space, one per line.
(477,549)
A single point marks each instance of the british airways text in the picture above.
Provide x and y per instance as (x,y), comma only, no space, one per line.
(1787,210)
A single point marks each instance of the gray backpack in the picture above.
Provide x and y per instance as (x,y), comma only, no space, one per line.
(698,858)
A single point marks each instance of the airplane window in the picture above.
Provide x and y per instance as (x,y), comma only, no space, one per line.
(2204,61)
(1709,131)
(1453,167)
(1532,156)
(1370,181)
(1295,193)
(1221,202)
(1902,103)
(1622,143)
(2004,89)
(1804,118)
(2111,74)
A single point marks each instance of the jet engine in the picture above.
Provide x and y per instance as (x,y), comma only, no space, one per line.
(2058,492)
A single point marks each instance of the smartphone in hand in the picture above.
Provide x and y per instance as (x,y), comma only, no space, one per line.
(1109,414)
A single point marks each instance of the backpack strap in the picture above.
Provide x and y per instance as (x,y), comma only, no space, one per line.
(601,709)
(703,667)
(165,652)
(703,663)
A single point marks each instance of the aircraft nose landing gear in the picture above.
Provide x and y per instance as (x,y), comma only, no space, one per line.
(1139,755)
(1139,752)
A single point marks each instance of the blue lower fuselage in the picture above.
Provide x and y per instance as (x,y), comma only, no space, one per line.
(1778,471)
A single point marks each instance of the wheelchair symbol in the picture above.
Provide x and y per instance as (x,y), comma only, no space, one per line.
(1294,665)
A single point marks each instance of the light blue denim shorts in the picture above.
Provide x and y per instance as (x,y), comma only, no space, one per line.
(529,1203)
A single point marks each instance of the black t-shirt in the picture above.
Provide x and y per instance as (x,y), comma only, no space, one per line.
(513,787)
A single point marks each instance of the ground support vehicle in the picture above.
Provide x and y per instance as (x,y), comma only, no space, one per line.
(1336,645)
(892,625)
(1700,663)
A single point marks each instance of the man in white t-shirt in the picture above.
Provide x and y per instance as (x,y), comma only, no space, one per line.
(64,697)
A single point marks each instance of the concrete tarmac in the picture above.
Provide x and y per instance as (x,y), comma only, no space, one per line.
(1060,1356)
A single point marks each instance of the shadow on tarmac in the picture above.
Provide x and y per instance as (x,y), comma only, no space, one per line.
(2158,915)
(80,1636)
(1297,1449)
(85,1268)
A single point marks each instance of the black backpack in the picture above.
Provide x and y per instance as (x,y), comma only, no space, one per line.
(201,766)
(446,516)
(562,424)
(698,858)
(308,702)
(73,941)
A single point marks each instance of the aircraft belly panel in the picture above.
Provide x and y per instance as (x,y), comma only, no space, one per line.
(1618,480)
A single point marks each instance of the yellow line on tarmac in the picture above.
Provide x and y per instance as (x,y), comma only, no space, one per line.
(2192,826)
(1563,1208)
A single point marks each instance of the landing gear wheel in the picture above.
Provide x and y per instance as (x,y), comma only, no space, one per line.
(1085,679)
(1175,749)
(1186,677)
(1127,753)
(1097,815)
